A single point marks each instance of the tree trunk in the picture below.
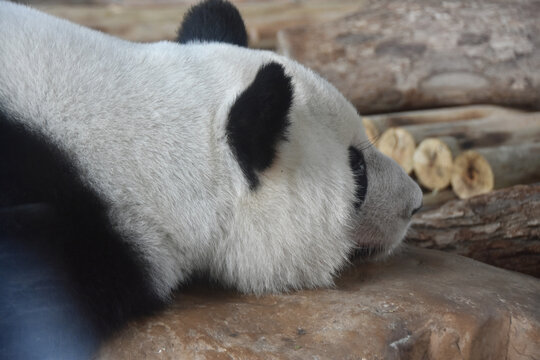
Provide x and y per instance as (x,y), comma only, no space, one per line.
(383,122)
(495,130)
(501,228)
(401,55)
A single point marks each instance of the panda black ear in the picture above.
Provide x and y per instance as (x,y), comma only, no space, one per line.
(213,21)
(258,120)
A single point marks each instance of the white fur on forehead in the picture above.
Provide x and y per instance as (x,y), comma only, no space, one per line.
(317,101)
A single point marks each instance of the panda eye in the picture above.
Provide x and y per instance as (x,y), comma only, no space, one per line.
(358,167)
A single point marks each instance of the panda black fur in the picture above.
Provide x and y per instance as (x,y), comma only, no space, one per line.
(213,21)
(141,165)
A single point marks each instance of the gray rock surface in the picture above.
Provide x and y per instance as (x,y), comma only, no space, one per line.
(420,304)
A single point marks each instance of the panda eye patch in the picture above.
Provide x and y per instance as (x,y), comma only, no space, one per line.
(358,167)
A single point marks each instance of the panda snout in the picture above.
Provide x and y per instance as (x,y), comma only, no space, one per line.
(416,209)
(416,198)
(409,211)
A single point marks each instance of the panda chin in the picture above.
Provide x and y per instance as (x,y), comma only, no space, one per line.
(366,252)
(378,250)
(374,252)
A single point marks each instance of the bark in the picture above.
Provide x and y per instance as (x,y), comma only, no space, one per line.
(382,122)
(496,130)
(501,228)
(414,54)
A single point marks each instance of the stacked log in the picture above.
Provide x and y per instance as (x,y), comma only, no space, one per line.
(383,122)
(475,149)
(403,55)
(398,144)
(433,162)
(482,170)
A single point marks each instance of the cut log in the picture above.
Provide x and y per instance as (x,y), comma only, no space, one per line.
(482,170)
(501,228)
(399,55)
(399,145)
(371,130)
(433,161)
(494,130)
(383,122)
(471,175)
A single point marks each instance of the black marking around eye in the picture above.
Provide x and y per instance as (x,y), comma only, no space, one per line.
(358,167)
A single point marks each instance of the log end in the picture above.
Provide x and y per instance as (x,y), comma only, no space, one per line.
(371,130)
(398,144)
(432,164)
(471,175)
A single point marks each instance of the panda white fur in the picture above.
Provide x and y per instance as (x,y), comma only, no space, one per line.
(158,162)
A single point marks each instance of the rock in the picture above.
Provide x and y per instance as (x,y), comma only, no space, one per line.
(420,304)
(396,55)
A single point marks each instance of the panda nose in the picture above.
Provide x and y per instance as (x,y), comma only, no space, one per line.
(416,210)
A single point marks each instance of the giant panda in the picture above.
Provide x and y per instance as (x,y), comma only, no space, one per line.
(136,167)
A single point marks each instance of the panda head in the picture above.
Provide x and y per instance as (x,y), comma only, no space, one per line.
(305,187)
(209,156)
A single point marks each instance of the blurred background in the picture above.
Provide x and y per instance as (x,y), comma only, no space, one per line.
(146,20)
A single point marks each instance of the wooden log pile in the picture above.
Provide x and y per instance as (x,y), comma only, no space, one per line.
(466,153)
(473,149)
